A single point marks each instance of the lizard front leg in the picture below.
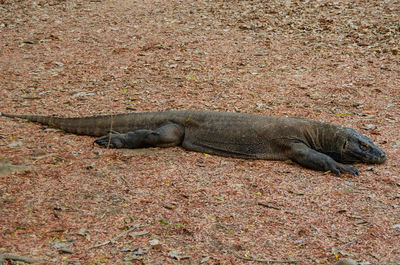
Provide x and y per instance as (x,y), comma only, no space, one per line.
(310,158)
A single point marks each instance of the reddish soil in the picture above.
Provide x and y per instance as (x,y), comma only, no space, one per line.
(332,61)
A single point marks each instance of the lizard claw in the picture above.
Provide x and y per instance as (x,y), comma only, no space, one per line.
(112,140)
(346,169)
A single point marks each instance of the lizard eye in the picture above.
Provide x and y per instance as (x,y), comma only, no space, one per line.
(364,146)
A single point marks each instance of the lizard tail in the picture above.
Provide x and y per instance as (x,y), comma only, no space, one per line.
(93,126)
(103,124)
(34,118)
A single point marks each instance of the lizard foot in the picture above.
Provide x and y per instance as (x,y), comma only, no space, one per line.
(112,140)
(341,168)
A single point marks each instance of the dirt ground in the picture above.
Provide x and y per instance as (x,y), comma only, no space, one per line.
(62,196)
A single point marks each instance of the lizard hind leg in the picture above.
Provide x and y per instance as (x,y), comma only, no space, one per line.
(170,134)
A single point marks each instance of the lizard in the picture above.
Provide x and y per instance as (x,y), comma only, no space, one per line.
(312,144)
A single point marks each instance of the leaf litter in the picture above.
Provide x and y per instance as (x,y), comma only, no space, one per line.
(332,61)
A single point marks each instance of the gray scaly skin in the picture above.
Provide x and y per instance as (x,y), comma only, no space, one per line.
(312,144)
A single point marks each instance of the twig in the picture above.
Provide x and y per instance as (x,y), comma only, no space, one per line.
(111,129)
(265,260)
(344,245)
(8,256)
(268,205)
(348,243)
(126,182)
(112,240)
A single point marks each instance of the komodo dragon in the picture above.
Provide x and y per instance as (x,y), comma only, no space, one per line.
(312,144)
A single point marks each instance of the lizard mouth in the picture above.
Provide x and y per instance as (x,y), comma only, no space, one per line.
(359,148)
(374,155)
(377,159)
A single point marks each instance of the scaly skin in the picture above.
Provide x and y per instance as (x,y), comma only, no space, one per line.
(312,144)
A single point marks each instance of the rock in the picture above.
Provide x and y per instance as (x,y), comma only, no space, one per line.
(6,168)
(131,257)
(396,226)
(15,144)
(155,244)
(177,255)
(346,261)
(65,251)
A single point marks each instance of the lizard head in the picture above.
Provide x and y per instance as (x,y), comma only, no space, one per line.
(356,147)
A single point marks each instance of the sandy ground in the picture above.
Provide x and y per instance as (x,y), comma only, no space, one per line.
(332,61)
